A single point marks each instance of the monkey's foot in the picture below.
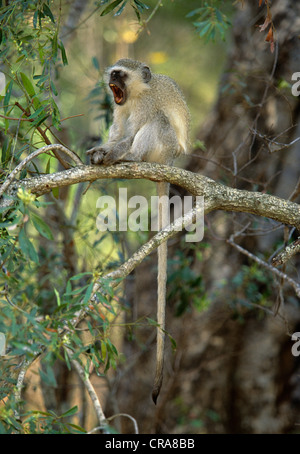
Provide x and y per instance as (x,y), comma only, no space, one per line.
(97,155)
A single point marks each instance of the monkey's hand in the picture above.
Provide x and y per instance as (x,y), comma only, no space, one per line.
(111,153)
(119,152)
(97,155)
(102,156)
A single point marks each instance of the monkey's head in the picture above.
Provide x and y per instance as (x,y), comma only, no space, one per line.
(128,77)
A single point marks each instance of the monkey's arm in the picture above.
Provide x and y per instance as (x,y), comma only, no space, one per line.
(115,146)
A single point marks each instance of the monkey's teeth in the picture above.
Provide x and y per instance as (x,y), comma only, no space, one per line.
(117,92)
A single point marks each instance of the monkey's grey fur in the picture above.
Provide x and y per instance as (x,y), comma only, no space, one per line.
(150,123)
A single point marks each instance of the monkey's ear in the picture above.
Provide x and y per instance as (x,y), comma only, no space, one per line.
(146,73)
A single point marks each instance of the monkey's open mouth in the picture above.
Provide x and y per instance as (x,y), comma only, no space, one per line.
(118,93)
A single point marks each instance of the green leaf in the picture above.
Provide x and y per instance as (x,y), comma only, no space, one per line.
(7,96)
(47,170)
(205,29)
(172,340)
(201,24)
(63,53)
(54,46)
(27,247)
(27,85)
(88,293)
(141,6)
(53,88)
(47,11)
(48,377)
(219,15)
(121,9)
(74,426)
(70,412)
(195,11)
(35,17)
(111,347)
(103,350)
(41,227)
(80,275)
(37,113)
(58,300)
(151,321)
(39,121)
(95,62)
(110,7)
(55,192)
(67,359)
(6,149)
(55,114)
(137,13)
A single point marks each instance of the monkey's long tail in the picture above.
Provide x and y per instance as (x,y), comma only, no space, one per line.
(163,193)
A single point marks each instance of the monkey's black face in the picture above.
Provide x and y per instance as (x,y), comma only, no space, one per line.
(117,84)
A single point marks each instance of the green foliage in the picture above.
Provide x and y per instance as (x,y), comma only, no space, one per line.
(252,285)
(33,329)
(186,288)
(31,52)
(119,5)
(212,22)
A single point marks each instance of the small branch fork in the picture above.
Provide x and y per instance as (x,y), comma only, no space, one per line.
(266,265)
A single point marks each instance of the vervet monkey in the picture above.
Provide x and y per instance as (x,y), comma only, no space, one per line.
(150,123)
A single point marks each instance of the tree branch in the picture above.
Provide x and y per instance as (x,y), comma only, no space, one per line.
(266,265)
(287,254)
(33,155)
(90,389)
(219,196)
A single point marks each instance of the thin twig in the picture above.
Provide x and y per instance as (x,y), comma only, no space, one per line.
(136,429)
(266,265)
(153,12)
(18,390)
(90,389)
